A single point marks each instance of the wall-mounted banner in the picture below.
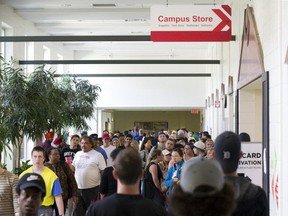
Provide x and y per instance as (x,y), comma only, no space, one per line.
(185,23)
(250,165)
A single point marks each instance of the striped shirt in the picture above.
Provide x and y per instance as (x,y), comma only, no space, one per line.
(8,197)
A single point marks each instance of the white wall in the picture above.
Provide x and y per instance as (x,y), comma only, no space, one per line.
(272,21)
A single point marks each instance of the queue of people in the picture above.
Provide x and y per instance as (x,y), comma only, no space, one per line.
(186,176)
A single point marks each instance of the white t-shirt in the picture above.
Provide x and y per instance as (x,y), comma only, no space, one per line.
(108,151)
(87,168)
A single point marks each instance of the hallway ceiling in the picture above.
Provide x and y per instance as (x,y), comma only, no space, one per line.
(120,18)
(114,18)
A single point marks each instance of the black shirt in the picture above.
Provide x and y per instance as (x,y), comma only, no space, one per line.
(108,184)
(125,205)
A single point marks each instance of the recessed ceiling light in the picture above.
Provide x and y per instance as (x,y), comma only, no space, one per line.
(104,5)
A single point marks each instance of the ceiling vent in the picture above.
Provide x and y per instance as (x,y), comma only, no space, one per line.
(104,5)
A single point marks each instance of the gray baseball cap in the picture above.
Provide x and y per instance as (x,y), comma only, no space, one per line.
(201,172)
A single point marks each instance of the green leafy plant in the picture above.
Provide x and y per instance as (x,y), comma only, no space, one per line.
(3,165)
(33,104)
(25,165)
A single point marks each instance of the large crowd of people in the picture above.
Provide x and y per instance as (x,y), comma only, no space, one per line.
(175,173)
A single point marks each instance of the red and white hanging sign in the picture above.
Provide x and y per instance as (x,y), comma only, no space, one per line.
(185,23)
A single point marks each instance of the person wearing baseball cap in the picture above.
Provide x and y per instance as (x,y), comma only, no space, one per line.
(199,149)
(251,199)
(31,192)
(202,190)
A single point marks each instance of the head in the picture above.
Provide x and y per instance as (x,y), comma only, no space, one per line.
(191,140)
(244,137)
(180,134)
(58,142)
(31,192)
(209,144)
(38,156)
(211,154)
(141,132)
(54,155)
(86,143)
(128,167)
(167,155)
(202,190)
(94,138)
(199,148)
(74,141)
(135,145)
(146,144)
(228,151)
(106,139)
(156,155)
(114,153)
(128,140)
(116,142)
(169,145)
(162,137)
(177,155)
(188,149)
(121,139)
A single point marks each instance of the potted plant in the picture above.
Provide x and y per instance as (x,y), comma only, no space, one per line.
(33,104)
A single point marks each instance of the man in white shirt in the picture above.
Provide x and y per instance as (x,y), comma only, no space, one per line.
(107,148)
(89,165)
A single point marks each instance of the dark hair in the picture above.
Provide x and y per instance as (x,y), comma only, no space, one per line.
(39,149)
(86,137)
(129,135)
(146,139)
(121,135)
(222,203)
(128,166)
(244,137)
(178,146)
(75,135)
(180,152)
(84,133)
(115,152)
(50,150)
(94,136)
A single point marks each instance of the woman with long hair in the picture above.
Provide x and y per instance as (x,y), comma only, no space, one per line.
(145,148)
(154,175)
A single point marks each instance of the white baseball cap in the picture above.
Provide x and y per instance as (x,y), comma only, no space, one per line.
(199,145)
(201,172)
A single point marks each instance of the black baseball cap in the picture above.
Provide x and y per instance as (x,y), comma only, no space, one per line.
(31,180)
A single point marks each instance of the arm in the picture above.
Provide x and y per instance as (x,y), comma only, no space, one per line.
(59,203)
(57,193)
(101,163)
(169,180)
(154,172)
(71,182)
(103,189)
(15,181)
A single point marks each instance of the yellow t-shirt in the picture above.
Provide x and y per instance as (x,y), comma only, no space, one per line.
(52,185)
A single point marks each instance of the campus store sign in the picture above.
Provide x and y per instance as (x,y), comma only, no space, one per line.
(186,23)
(250,165)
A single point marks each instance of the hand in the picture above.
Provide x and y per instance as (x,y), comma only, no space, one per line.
(74,199)
(175,180)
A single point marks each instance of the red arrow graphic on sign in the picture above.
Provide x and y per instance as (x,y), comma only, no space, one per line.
(225,20)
